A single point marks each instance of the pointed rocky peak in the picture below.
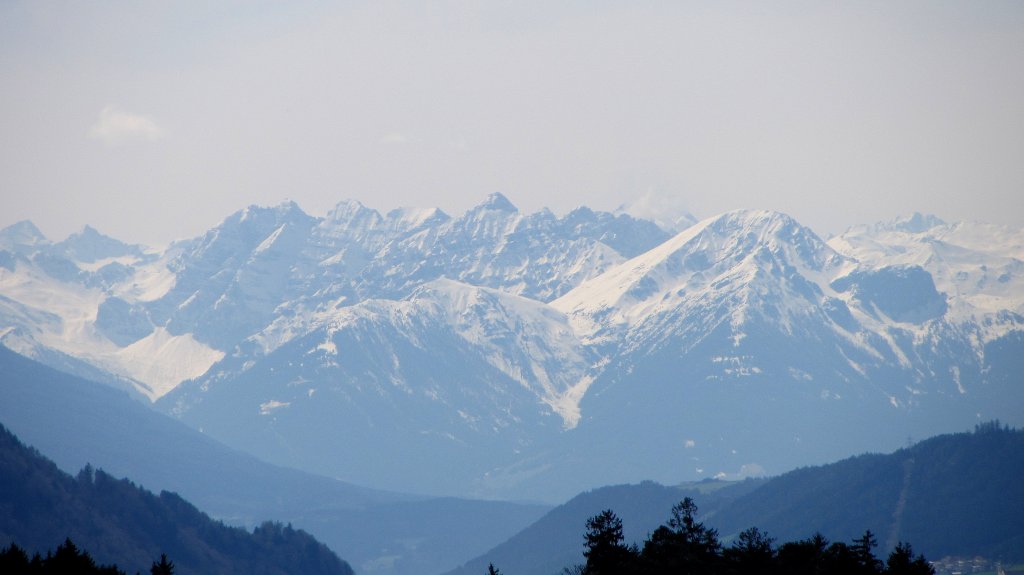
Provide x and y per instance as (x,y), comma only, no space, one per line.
(22,234)
(245,230)
(741,231)
(580,213)
(89,245)
(352,215)
(498,202)
(408,219)
(89,232)
(257,217)
(542,222)
(291,210)
(581,218)
(915,223)
(622,232)
(767,220)
(719,253)
(346,207)
(496,217)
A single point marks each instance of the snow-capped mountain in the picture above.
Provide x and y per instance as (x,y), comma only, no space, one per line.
(161,318)
(740,295)
(746,344)
(535,354)
(470,375)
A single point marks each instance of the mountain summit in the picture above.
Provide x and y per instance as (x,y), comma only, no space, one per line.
(538,355)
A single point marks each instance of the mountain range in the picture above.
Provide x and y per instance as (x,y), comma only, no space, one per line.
(536,355)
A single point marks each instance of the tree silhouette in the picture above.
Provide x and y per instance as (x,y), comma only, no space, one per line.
(164,567)
(805,556)
(13,559)
(902,562)
(752,552)
(604,548)
(69,559)
(683,545)
(863,552)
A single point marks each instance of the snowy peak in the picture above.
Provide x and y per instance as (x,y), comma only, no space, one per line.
(915,223)
(733,249)
(241,232)
(352,217)
(980,266)
(22,235)
(89,245)
(229,281)
(625,234)
(497,202)
(495,218)
(744,231)
(403,220)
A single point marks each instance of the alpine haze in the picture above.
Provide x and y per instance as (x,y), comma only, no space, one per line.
(535,355)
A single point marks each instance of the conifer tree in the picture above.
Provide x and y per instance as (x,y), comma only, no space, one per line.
(862,550)
(683,545)
(604,548)
(902,562)
(164,567)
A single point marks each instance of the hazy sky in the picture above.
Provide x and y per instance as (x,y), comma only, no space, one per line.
(154,120)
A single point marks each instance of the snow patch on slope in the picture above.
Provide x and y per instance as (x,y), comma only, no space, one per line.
(162,360)
(159,361)
(980,267)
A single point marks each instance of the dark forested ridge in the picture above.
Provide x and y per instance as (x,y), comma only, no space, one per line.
(956,494)
(120,523)
(951,495)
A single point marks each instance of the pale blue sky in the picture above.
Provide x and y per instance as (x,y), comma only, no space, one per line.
(154,120)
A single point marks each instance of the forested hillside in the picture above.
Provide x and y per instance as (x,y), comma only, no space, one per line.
(958,494)
(556,540)
(951,495)
(120,523)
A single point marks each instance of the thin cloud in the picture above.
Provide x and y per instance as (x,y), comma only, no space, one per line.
(119,127)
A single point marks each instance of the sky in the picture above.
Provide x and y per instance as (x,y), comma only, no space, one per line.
(153,121)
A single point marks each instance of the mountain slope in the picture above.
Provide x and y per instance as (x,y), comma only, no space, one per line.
(541,355)
(121,523)
(79,422)
(748,322)
(470,374)
(951,495)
